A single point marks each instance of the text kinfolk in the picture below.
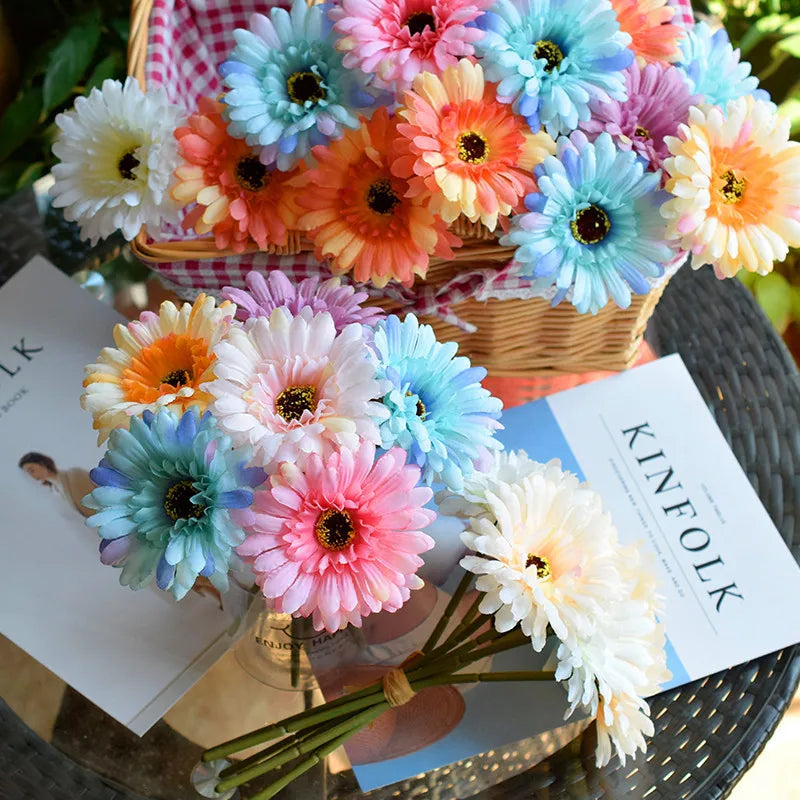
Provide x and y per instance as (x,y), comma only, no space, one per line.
(678,508)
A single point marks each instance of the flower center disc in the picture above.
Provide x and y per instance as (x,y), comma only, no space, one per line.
(334,529)
(591,225)
(421,410)
(472,148)
(381,198)
(732,189)
(305,87)
(177,378)
(550,52)
(251,174)
(642,133)
(294,400)
(543,571)
(126,165)
(178,502)
(419,20)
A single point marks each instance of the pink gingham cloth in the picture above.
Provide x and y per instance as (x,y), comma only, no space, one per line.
(187,42)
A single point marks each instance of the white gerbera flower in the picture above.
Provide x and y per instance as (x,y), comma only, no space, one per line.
(289,386)
(545,556)
(117,152)
(623,661)
(507,467)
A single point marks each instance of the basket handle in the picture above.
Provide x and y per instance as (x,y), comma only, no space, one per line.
(137,41)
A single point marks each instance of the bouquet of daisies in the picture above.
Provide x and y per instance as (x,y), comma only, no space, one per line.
(294,430)
(598,138)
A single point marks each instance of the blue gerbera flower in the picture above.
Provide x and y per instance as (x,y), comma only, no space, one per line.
(288,89)
(594,226)
(164,493)
(552,57)
(438,411)
(712,67)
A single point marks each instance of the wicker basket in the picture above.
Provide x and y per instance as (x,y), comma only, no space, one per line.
(515,338)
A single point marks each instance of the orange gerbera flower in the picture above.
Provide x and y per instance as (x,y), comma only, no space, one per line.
(360,216)
(648,23)
(465,151)
(238,199)
(162,361)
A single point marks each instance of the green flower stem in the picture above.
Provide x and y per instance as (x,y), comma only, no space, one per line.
(322,751)
(459,593)
(299,721)
(262,755)
(457,634)
(315,758)
(301,748)
(454,641)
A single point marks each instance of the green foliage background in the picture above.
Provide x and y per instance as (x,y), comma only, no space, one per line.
(64,48)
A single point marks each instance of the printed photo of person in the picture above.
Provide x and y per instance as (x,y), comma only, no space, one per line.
(70,485)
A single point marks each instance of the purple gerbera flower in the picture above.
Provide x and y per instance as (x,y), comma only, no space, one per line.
(658,101)
(343,303)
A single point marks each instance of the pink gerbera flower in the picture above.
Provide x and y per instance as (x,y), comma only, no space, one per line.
(340,539)
(398,39)
(343,303)
(658,102)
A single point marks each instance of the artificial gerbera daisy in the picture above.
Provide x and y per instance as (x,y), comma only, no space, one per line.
(544,557)
(552,57)
(117,155)
(398,39)
(340,539)
(165,489)
(735,181)
(713,68)
(264,295)
(358,214)
(438,411)
(654,38)
(291,385)
(466,152)
(658,101)
(610,673)
(237,198)
(594,226)
(162,361)
(288,89)
(507,466)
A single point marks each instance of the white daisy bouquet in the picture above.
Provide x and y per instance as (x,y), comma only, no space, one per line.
(292,431)
(597,140)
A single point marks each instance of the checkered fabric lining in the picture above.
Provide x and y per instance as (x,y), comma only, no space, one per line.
(187,41)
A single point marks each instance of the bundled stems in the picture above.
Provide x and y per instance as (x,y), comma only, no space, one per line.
(313,734)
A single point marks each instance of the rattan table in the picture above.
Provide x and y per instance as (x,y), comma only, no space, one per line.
(707,733)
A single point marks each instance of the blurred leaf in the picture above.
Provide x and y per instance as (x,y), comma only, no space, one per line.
(790,109)
(70,59)
(793,26)
(19,121)
(122,27)
(790,45)
(771,23)
(109,67)
(795,300)
(774,295)
(32,173)
(10,173)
